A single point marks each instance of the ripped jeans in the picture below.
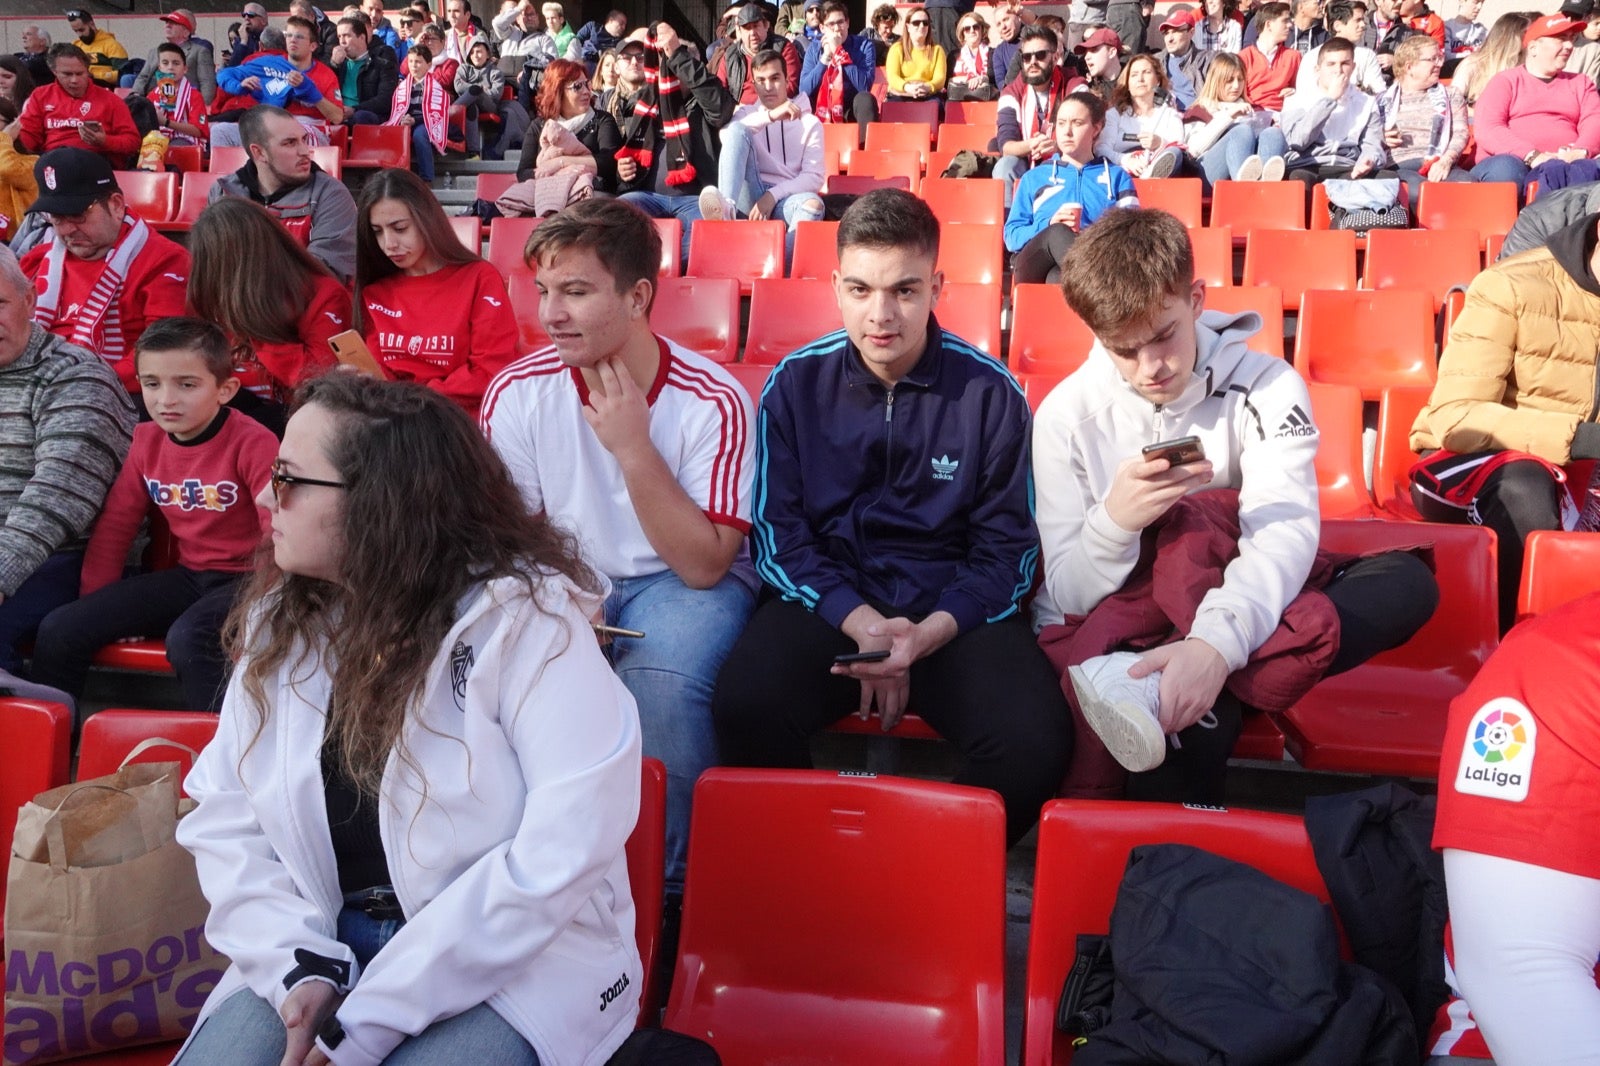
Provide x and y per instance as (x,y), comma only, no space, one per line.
(739,179)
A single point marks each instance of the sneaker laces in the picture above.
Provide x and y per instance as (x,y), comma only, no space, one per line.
(1205,721)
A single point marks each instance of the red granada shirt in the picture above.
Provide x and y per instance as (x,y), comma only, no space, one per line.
(453,330)
(50,119)
(279,368)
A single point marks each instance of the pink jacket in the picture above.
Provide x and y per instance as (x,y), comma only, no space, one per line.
(1518,113)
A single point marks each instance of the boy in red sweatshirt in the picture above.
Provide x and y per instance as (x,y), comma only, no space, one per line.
(200,466)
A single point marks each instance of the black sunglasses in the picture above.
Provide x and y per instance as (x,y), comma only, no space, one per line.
(1035,57)
(280,479)
(917,22)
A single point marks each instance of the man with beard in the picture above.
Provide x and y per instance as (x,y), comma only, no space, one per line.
(752,35)
(105,52)
(1023,129)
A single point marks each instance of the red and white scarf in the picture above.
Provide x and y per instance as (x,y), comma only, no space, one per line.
(98,325)
(973,63)
(186,105)
(435,108)
(660,103)
(830,95)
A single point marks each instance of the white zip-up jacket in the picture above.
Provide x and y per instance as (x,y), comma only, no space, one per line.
(507,861)
(789,154)
(1253,416)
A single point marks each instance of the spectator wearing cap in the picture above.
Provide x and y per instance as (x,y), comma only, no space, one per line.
(67,428)
(1270,66)
(1185,65)
(1101,53)
(252,20)
(105,52)
(72,111)
(1537,120)
(197,55)
(102,275)
(1585,58)
(838,71)
(752,35)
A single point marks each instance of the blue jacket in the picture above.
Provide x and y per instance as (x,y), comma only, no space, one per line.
(1046,187)
(857,76)
(919,499)
(272,70)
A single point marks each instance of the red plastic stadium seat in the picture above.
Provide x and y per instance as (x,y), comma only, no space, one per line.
(836,980)
(150,196)
(191,201)
(1372,340)
(1264,300)
(899,137)
(524,293)
(1083,850)
(1251,205)
(971,113)
(1259,739)
(1213,256)
(377,147)
(329,158)
(900,163)
(965,200)
(110,736)
(1046,336)
(752,376)
(507,238)
(1490,208)
(647,878)
(186,158)
(36,742)
(1296,262)
(469,232)
(816,250)
(860,185)
(1177,196)
(958,137)
(138,656)
(227,158)
(1037,386)
(671,231)
(1341,487)
(1392,463)
(786,314)
(1557,567)
(737,249)
(1492,245)
(841,140)
(702,314)
(972,312)
(1387,716)
(972,252)
(493,184)
(923,111)
(1431,260)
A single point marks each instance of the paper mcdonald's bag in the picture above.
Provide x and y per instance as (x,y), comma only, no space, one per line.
(105,923)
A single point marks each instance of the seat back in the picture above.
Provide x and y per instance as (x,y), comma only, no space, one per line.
(1369,339)
(972,252)
(787,314)
(1431,260)
(861,184)
(965,200)
(739,249)
(109,736)
(1177,196)
(1341,487)
(957,137)
(1488,207)
(1264,300)
(469,231)
(972,312)
(1046,335)
(493,184)
(227,158)
(1558,567)
(329,158)
(899,137)
(671,232)
(923,111)
(782,959)
(1296,262)
(1213,256)
(702,314)
(1251,205)
(1393,460)
(752,376)
(36,742)
(524,293)
(647,878)
(972,113)
(508,237)
(1083,850)
(816,252)
(380,147)
(899,163)
(841,140)
(151,196)
(196,192)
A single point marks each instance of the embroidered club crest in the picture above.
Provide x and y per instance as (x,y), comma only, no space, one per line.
(83,108)
(50,178)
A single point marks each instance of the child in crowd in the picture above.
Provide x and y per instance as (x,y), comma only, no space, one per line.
(479,84)
(178,105)
(422,105)
(1054,201)
(199,466)
(1464,34)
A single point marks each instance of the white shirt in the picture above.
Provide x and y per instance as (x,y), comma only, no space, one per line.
(699,421)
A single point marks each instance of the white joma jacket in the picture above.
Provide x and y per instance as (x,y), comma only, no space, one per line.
(1253,415)
(509,864)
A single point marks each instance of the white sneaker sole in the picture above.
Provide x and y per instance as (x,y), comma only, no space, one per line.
(1132,737)
(711,204)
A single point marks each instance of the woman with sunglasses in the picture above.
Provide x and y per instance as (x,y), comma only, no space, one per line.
(916,64)
(566,98)
(410,825)
(973,76)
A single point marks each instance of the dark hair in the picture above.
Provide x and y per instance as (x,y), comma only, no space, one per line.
(422,50)
(170,49)
(430,511)
(24,85)
(832,7)
(197,335)
(65,50)
(1339,11)
(765,58)
(253,124)
(621,236)
(357,25)
(559,73)
(1090,101)
(394,183)
(305,24)
(1037,32)
(890,218)
(884,13)
(8,111)
(1335,45)
(1122,268)
(1270,13)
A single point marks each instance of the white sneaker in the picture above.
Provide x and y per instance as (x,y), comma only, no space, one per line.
(1272,170)
(1165,162)
(1123,711)
(715,206)
(1250,169)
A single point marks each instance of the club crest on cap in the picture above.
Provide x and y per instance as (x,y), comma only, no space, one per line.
(50,177)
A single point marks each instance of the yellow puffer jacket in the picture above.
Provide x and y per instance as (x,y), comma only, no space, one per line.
(18,190)
(1518,372)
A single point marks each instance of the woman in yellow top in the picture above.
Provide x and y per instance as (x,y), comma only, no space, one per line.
(18,190)
(916,66)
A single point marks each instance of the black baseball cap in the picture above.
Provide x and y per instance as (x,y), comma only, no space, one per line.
(70,179)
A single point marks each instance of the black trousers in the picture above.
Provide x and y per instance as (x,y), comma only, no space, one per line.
(1516,499)
(1382,602)
(187,607)
(990,692)
(1040,259)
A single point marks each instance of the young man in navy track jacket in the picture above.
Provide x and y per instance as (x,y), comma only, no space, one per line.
(893,511)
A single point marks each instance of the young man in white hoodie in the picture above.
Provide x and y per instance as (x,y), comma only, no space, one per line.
(1163,368)
(772,160)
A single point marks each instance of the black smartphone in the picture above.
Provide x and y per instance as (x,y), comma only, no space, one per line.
(1179,451)
(861,657)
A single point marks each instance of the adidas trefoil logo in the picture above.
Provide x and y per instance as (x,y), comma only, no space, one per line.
(1296,424)
(944,468)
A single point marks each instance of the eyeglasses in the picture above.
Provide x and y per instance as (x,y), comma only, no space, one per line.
(575,86)
(1036,57)
(917,22)
(72,220)
(970,29)
(296,37)
(280,479)
(630,57)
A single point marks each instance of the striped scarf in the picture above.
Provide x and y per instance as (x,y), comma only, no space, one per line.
(660,99)
(98,324)
(435,108)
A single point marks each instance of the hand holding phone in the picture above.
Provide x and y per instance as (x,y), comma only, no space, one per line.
(351,350)
(861,657)
(1179,451)
(1141,491)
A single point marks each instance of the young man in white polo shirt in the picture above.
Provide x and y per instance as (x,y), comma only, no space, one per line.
(643,450)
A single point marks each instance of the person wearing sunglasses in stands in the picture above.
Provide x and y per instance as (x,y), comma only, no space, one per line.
(1024,134)
(916,68)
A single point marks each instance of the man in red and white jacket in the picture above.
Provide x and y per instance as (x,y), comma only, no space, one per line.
(73,112)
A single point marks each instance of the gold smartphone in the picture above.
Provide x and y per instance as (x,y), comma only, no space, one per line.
(350,348)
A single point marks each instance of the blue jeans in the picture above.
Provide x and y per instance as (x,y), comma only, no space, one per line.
(739,179)
(422,152)
(53,584)
(685,209)
(1223,159)
(1009,169)
(1502,168)
(671,672)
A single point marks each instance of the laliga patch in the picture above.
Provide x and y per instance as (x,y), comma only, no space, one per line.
(1497,758)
